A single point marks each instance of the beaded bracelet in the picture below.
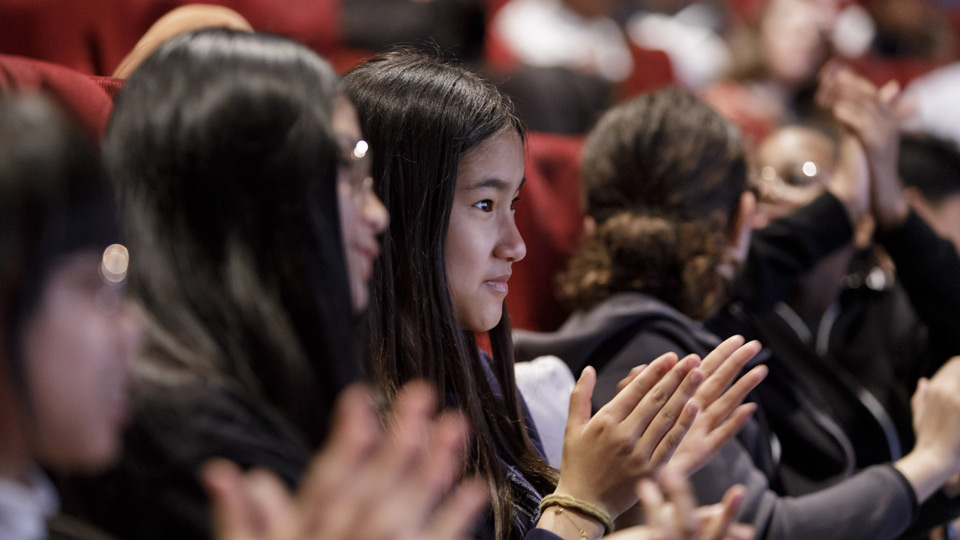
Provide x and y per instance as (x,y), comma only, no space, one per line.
(592,510)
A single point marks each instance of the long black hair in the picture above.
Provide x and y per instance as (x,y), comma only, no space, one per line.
(420,116)
(222,151)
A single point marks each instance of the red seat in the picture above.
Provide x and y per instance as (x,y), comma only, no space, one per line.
(652,70)
(550,218)
(78,94)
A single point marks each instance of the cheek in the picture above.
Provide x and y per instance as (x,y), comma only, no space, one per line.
(348,212)
(67,350)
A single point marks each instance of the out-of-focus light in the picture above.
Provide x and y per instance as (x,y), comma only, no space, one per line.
(116,261)
(360,149)
(809,168)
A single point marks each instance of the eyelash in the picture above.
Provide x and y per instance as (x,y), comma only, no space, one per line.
(479,204)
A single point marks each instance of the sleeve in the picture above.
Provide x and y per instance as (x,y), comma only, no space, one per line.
(541,534)
(876,503)
(788,247)
(927,268)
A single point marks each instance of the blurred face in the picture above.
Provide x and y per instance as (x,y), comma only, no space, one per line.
(791,34)
(482,241)
(362,216)
(795,166)
(77,346)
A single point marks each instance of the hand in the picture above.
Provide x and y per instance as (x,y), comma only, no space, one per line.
(364,484)
(722,411)
(936,455)
(870,115)
(671,513)
(631,436)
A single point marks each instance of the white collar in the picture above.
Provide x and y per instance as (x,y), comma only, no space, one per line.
(25,506)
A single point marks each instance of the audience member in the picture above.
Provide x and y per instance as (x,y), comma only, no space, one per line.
(448,162)
(667,234)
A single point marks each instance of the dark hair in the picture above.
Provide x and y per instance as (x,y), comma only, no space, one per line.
(53,202)
(222,151)
(663,175)
(421,115)
(930,164)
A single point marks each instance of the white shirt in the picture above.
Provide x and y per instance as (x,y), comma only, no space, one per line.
(25,507)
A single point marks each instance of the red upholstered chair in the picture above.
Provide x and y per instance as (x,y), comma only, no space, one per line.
(110,85)
(652,71)
(550,217)
(90,36)
(78,94)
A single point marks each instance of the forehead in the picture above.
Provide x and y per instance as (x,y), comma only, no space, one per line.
(500,157)
(345,119)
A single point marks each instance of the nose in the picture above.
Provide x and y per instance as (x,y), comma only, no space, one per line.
(375,213)
(511,246)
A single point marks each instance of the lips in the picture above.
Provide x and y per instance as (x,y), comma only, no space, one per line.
(499,283)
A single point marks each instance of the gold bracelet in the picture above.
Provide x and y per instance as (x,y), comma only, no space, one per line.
(559,511)
(591,510)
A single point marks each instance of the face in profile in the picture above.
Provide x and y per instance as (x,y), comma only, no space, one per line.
(482,240)
(362,216)
(77,345)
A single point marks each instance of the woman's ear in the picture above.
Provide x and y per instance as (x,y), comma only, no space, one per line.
(741,226)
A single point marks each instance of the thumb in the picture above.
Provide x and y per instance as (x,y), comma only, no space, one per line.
(580,407)
(229,504)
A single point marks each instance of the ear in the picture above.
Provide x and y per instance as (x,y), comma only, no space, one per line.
(589,227)
(741,226)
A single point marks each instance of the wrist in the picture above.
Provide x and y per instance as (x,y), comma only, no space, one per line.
(893,214)
(925,470)
(570,523)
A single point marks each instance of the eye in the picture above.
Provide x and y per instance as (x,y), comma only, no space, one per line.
(485,205)
(513,203)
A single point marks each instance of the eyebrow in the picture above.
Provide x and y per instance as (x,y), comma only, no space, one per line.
(494,183)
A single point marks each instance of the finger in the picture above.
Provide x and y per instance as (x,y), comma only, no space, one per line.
(671,441)
(354,435)
(229,504)
(456,517)
(272,506)
(580,406)
(651,499)
(729,428)
(916,402)
(392,462)
(664,401)
(627,399)
(630,376)
(740,531)
(726,367)
(407,509)
(679,492)
(733,396)
(717,526)
(717,356)
(678,412)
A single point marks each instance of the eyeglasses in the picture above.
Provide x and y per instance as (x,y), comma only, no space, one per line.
(353,166)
